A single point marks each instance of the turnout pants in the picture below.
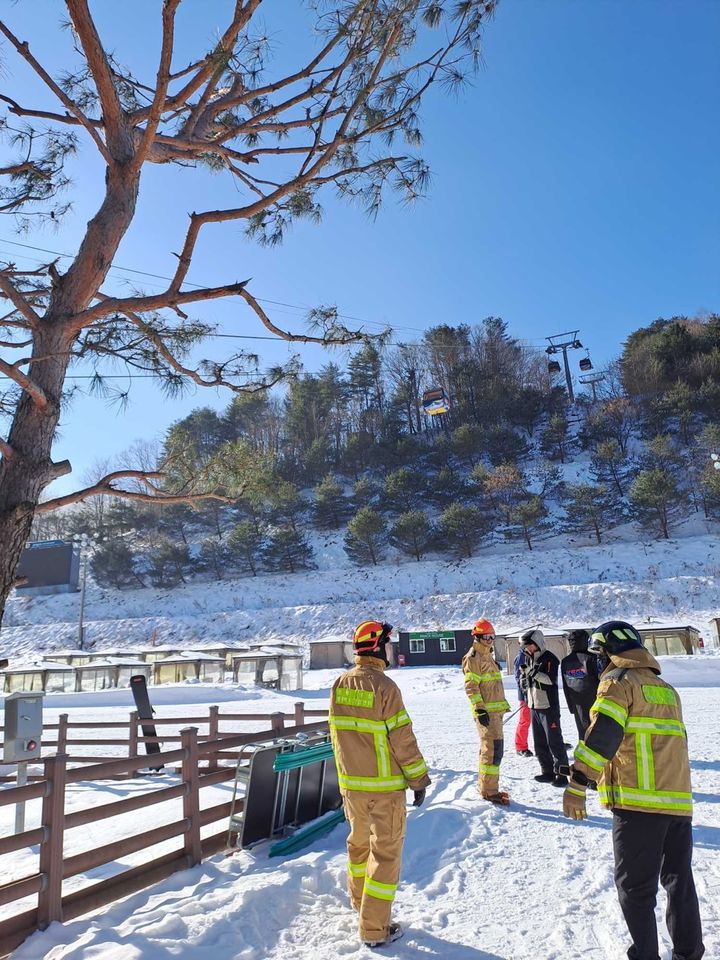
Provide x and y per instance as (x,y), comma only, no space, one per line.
(377,831)
(649,847)
(491,754)
(548,740)
(523,727)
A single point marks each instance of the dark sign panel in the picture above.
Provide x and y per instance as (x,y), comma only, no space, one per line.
(51,564)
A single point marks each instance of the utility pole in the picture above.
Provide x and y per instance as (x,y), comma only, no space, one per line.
(592,379)
(83,581)
(562,342)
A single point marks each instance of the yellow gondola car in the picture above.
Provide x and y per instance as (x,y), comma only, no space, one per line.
(435,401)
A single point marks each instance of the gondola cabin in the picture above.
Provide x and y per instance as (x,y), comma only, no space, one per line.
(586,364)
(435,401)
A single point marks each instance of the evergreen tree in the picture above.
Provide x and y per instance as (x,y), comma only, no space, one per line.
(287,507)
(412,533)
(467,443)
(365,492)
(287,549)
(448,486)
(169,564)
(610,466)
(213,557)
(504,445)
(114,564)
(176,520)
(366,537)
(530,518)
(403,488)
(555,439)
(505,487)
(330,508)
(244,546)
(655,497)
(462,528)
(588,508)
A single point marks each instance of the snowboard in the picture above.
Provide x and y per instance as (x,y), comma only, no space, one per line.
(138,685)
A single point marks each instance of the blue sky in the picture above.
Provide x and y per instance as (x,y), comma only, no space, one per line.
(575,186)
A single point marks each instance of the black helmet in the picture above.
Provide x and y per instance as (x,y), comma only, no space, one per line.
(614,636)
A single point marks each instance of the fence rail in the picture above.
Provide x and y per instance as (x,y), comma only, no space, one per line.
(46,884)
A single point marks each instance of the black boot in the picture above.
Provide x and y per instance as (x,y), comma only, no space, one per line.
(544,777)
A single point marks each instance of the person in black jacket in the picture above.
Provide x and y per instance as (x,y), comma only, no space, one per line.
(580,677)
(538,678)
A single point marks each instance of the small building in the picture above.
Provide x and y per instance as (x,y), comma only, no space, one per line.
(152,654)
(268,668)
(117,653)
(109,673)
(666,638)
(331,652)
(73,658)
(226,652)
(48,567)
(190,665)
(423,648)
(42,675)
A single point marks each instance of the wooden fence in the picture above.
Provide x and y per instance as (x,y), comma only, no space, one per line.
(200,766)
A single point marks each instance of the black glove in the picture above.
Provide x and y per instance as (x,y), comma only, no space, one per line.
(418,797)
(483,717)
(524,682)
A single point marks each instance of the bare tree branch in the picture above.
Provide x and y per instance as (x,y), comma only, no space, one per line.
(25,383)
(19,301)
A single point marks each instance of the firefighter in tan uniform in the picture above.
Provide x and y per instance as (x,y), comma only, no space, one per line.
(377,760)
(484,687)
(635,750)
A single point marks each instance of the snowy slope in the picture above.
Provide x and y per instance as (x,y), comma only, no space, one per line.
(479,883)
(675,579)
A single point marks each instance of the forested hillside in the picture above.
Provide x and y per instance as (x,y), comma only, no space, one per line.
(353,451)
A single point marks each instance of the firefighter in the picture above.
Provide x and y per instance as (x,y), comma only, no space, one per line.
(483,685)
(635,750)
(377,760)
(538,678)
(579,671)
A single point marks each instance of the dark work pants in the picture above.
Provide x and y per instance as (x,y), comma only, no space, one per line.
(649,847)
(548,740)
(581,716)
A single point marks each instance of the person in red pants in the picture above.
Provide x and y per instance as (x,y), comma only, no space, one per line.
(523,724)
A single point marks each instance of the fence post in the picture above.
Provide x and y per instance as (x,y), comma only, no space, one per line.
(133,736)
(277,722)
(299,713)
(191,800)
(214,729)
(62,733)
(51,848)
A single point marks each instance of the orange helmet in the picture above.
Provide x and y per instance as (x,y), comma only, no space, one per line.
(369,635)
(483,628)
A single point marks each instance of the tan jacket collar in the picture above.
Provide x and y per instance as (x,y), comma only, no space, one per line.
(483,648)
(635,659)
(374,662)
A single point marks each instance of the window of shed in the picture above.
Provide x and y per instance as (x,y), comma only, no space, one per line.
(447,644)
(417,646)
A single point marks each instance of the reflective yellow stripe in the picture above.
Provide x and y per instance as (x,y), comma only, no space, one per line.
(361,724)
(575,793)
(475,698)
(594,760)
(655,726)
(483,677)
(357,869)
(414,770)
(489,768)
(400,719)
(657,799)
(496,706)
(381,891)
(611,709)
(382,752)
(371,784)
(645,764)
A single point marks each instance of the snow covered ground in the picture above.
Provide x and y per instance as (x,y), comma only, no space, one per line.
(479,883)
(674,579)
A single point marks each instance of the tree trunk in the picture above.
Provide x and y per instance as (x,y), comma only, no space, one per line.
(29,470)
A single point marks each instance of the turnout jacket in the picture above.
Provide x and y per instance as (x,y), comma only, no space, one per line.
(483,680)
(373,740)
(636,745)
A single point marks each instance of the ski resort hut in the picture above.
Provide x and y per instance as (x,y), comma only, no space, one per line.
(42,675)
(270,668)
(104,674)
(73,658)
(329,653)
(225,652)
(117,653)
(665,638)
(424,648)
(152,654)
(189,665)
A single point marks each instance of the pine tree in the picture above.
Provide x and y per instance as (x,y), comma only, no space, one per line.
(366,537)
(403,488)
(114,564)
(505,487)
(330,508)
(169,564)
(448,486)
(461,528)
(244,545)
(467,442)
(589,508)
(610,466)
(365,492)
(287,506)
(213,557)
(412,533)
(530,518)
(554,439)
(655,497)
(287,549)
